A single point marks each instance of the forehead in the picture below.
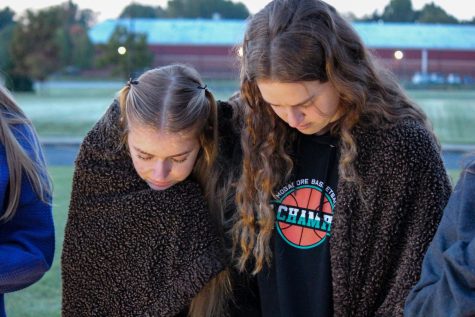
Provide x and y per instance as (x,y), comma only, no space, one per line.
(284,94)
(287,94)
(160,143)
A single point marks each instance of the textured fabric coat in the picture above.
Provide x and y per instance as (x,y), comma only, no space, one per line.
(377,247)
(130,250)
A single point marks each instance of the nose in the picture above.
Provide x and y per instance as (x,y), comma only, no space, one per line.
(294,117)
(161,170)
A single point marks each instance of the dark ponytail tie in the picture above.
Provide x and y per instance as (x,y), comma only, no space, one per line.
(132,82)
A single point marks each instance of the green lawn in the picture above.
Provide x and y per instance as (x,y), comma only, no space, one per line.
(452,113)
(43,299)
(71,111)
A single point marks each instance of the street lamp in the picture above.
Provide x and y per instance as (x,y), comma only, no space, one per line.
(121,50)
(399,55)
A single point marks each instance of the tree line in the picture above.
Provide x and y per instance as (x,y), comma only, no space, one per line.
(37,44)
(402,11)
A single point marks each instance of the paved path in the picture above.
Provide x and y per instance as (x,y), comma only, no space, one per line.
(60,153)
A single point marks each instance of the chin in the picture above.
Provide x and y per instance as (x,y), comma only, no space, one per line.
(160,186)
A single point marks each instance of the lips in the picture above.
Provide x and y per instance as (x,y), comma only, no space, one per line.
(159,185)
(303,126)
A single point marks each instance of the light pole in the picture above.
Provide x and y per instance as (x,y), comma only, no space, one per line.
(399,55)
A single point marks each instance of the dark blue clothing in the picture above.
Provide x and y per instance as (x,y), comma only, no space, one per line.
(27,240)
(447,284)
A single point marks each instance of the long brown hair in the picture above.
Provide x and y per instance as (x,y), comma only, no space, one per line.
(174,99)
(292,41)
(21,158)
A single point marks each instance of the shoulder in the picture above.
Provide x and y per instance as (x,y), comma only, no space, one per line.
(469,166)
(466,184)
(26,136)
(229,128)
(225,110)
(407,137)
(405,149)
(228,117)
(106,133)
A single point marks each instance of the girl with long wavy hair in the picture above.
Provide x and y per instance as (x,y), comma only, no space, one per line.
(26,221)
(342,183)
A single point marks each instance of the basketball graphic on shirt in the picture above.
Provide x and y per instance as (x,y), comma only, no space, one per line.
(300,220)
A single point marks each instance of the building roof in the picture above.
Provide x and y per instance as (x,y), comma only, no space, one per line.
(176,31)
(417,36)
(202,32)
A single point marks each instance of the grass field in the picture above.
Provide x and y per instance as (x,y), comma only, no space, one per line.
(452,113)
(71,110)
(43,299)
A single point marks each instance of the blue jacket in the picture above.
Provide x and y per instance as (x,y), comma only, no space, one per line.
(447,284)
(27,240)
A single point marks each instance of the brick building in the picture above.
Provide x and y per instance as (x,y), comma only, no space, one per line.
(212,45)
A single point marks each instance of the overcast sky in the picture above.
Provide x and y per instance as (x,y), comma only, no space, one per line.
(457,8)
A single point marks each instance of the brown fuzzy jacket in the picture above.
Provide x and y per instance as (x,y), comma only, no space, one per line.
(377,248)
(130,250)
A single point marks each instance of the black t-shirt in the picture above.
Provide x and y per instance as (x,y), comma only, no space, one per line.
(298,282)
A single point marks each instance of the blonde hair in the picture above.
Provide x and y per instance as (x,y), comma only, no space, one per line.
(174,99)
(21,159)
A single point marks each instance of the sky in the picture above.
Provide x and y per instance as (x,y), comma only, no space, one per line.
(457,8)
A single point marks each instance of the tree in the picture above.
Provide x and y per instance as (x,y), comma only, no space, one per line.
(82,56)
(14,82)
(34,49)
(136,10)
(398,11)
(374,17)
(469,21)
(206,9)
(76,48)
(432,13)
(137,55)
(6,33)
(6,17)
(50,40)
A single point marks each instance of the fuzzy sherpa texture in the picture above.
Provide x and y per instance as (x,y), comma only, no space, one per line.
(377,247)
(130,250)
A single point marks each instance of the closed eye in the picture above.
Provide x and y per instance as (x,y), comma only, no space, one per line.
(307,104)
(144,157)
(180,160)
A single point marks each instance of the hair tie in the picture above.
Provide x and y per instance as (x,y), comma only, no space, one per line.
(132,82)
(202,87)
